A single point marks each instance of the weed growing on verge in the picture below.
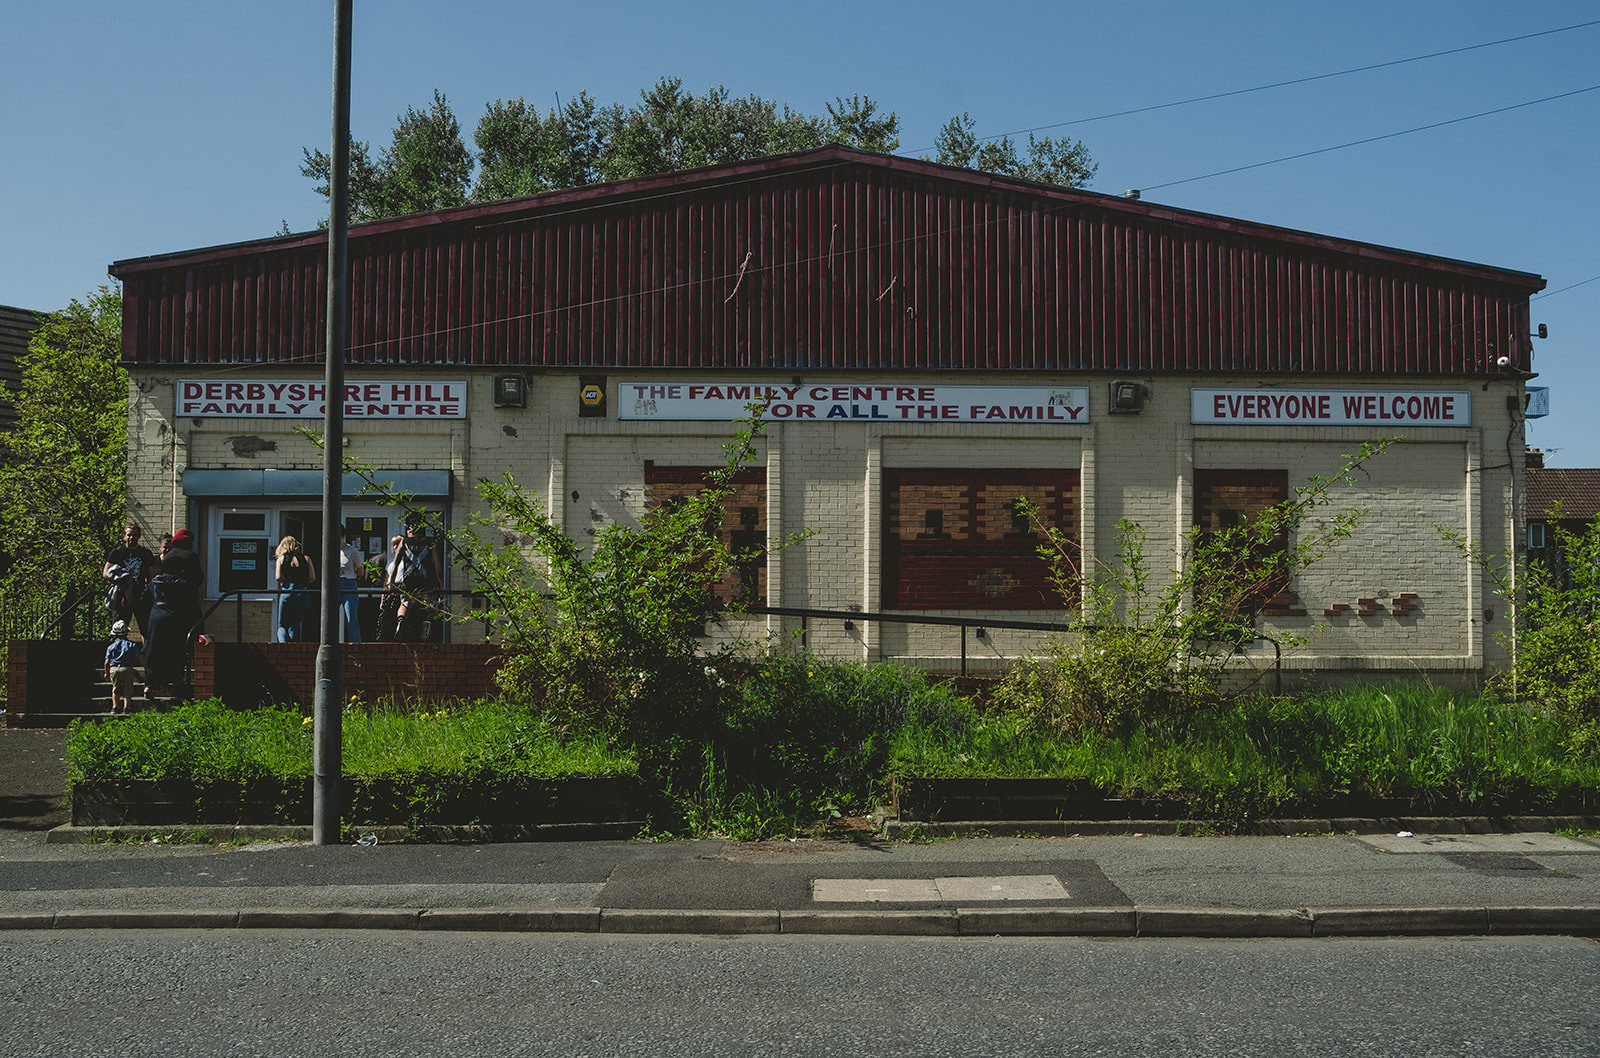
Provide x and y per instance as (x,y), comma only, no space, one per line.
(1148,653)
(1264,756)
(1555,653)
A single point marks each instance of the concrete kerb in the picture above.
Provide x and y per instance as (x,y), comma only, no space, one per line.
(432,834)
(1221,922)
(891,828)
(1429,921)
(911,830)
(1133,922)
(512,920)
(677,920)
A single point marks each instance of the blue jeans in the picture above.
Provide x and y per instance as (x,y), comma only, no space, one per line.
(291,614)
(352,617)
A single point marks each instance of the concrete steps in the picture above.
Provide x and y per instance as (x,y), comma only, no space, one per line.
(85,698)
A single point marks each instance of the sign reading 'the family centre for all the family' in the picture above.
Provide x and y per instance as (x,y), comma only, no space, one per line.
(854,402)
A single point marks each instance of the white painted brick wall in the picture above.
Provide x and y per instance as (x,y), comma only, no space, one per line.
(826,477)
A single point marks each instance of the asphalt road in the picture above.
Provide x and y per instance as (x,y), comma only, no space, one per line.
(330,992)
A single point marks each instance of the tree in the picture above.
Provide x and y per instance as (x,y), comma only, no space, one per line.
(426,167)
(63,487)
(1065,161)
(521,151)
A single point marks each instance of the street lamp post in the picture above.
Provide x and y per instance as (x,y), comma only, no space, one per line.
(326,709)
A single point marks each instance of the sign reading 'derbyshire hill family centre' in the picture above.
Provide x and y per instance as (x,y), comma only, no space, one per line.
(1331,407)
(276,398)
(854,402)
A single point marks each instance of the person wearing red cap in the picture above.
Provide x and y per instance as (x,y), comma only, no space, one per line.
(173,614)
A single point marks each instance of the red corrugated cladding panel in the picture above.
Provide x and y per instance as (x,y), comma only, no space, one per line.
(835,259)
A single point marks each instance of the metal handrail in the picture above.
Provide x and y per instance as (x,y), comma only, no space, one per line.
(242,595)
(805,613)
(70,610)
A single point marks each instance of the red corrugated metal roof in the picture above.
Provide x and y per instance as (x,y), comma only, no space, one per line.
(836,259)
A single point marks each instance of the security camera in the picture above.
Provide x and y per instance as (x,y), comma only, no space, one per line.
(1504,361)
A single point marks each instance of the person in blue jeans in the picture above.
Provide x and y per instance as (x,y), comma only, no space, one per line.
(351,564)
(296,574)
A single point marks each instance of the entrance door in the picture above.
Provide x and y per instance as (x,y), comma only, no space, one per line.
(306,527)
(370,532)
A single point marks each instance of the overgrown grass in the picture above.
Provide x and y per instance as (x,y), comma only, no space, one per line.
(1419,744)
(207,742)
(804,740)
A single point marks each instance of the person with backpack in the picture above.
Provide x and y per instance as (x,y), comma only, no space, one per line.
(129,569)
(415,575)
(174,613)
(296,573)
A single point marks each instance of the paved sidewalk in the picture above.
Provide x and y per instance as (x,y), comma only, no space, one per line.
(1115,886)
(32,777)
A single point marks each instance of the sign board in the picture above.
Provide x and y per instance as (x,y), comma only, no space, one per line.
(854,402)
(1330,407)
(264,398)
(1538,402)
(245,561)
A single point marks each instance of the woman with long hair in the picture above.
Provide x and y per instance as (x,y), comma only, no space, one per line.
(296,573)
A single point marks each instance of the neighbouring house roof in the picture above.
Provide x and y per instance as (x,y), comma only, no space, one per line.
(16,327)
(1575,489)
(842,260)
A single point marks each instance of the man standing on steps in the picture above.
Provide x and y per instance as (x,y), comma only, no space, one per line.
(134,564)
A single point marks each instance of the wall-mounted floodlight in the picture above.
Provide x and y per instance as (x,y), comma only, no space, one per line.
(510,391)
(1127,398)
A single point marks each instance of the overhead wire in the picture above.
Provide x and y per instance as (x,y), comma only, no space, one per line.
(1372,139)
(1286,84)
(1562,290)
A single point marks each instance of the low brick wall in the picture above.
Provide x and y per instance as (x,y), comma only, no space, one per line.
(42,673)
(250,674)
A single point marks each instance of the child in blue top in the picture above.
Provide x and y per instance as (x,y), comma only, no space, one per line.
(123,661)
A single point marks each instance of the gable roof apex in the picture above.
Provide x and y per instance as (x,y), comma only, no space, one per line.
(641,188)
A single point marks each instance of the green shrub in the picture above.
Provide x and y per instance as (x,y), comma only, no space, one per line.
(1554,605)
(815,734)
(1143,651)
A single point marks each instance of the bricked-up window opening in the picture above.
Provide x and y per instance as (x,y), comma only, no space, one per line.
(1020,525)
(959,540)
(744,522)
(1233,500)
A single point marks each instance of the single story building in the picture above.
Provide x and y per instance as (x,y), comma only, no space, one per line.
(933,343)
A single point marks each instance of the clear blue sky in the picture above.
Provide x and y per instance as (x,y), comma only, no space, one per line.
(134,129)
